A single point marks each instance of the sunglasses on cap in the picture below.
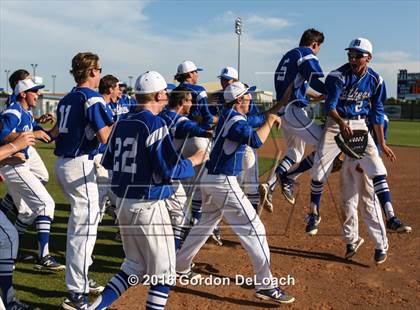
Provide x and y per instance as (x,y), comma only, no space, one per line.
(356,55)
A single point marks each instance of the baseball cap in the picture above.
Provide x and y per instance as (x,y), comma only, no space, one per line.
(25,85)
(187,66)
(228,73)
(122,84)
(149,82)
(236,90)
(361,44)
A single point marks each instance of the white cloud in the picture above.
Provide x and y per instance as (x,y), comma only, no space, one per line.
(392,56)
(268,22)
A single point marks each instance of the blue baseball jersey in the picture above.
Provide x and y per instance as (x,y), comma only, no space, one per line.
(80,115)
(143,159)
(254,117)
(353,96)
(200,105)
(10,100)
(123,106)
(232,134)
(181,127)
(16,119)
(301,67)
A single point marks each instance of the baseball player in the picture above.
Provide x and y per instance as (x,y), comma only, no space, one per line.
(248,178)
(110,91)
(358,186)
(187,76)
(35,162)
(9,239)
(25,187)
(82,123)
(144,161)
(354,90)
(181,128)
(223,196)
(300,69)
(126,103)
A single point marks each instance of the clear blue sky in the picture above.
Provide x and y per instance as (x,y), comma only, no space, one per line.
(134,36)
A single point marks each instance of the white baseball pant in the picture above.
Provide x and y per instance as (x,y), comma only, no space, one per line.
(147,239)
(192,185)
(28,192)
(298,130)
(328,150)
(77,178)
(357,186)
(9,239)
(222,196)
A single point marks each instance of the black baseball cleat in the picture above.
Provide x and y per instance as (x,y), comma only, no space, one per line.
(380,256)
(313,223)
(276,295)
(394,224)
(352,248)
(76,301)
(48,262)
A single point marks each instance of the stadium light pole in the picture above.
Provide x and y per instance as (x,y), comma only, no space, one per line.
(130,78)
(34,69)
(7,71)
(53,77)
(238,31)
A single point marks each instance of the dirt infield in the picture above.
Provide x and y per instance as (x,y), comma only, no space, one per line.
(323,279)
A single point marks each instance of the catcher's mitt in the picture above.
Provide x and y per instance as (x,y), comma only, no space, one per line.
(355,146)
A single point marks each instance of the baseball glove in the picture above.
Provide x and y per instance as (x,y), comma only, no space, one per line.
(355,146)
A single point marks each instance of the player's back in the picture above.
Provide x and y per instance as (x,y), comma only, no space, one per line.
(296,67)
(134,169)
(200,107)
(76,137)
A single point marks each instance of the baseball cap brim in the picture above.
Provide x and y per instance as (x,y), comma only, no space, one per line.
(228,78)
(251,89)
(36,87)
(357,49)
(199,69)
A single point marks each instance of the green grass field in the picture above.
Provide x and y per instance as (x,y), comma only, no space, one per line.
(47,289)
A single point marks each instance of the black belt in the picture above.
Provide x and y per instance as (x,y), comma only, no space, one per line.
(356,117)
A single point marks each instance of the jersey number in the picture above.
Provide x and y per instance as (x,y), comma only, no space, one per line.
(358,106)
(64,116)
(281,75)
(130,145)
